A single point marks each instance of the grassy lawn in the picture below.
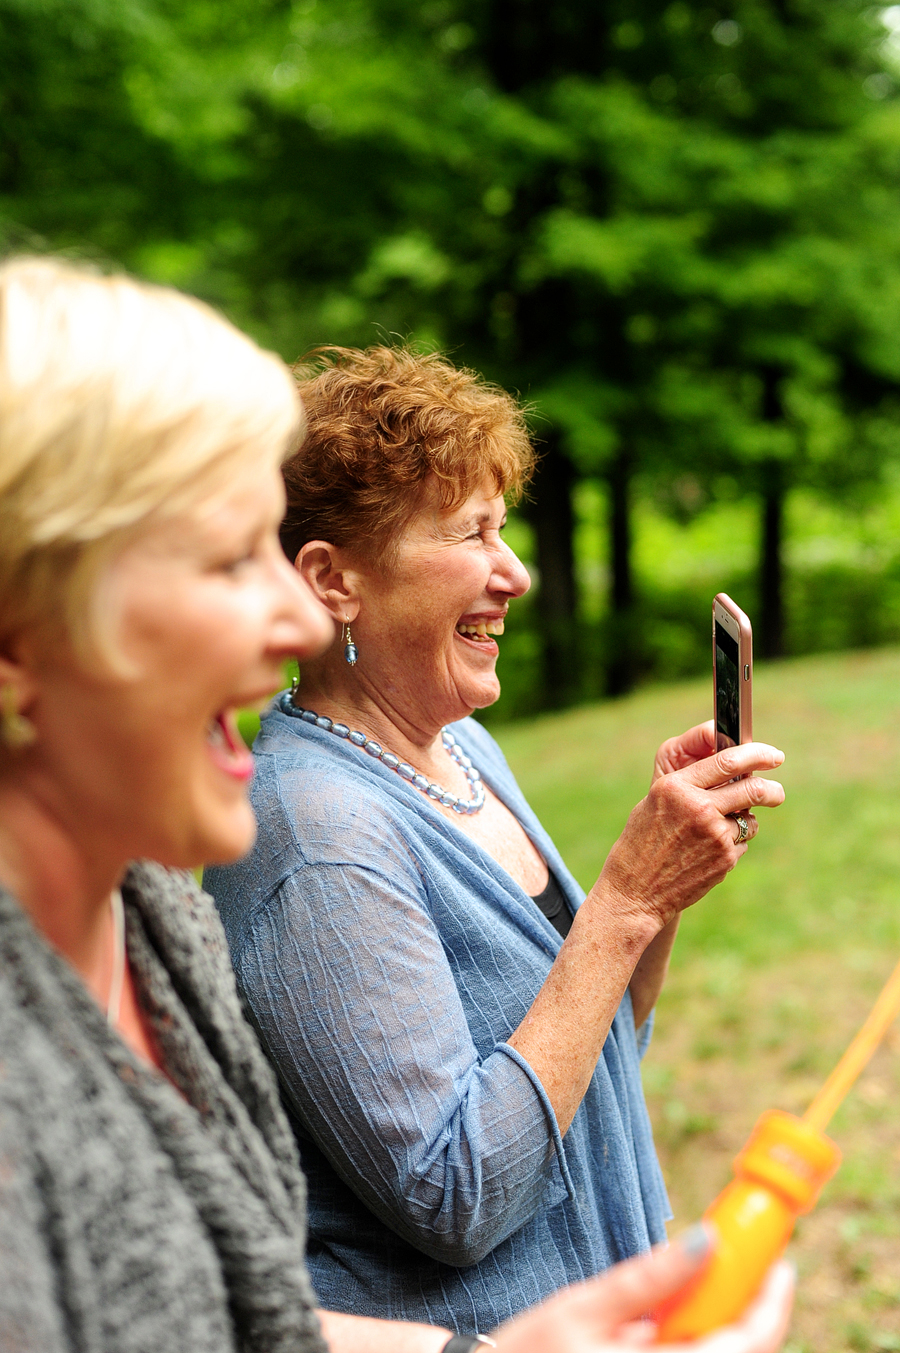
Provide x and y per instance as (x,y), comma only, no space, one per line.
(775,970)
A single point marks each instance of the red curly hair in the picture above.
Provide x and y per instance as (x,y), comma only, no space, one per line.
(381,424)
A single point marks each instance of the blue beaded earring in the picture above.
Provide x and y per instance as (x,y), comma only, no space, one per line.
(351,652)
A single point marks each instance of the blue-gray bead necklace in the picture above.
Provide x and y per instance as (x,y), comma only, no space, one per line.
(403,769)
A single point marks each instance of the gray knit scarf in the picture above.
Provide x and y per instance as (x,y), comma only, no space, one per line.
(125,1190)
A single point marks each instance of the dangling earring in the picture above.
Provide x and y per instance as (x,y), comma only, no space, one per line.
(351,652)
(15,730)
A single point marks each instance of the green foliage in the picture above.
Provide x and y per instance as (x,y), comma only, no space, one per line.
(672,227)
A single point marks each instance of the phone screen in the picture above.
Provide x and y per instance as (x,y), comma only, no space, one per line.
(728,700)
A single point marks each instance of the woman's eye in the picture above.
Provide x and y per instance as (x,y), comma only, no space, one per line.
(234,566)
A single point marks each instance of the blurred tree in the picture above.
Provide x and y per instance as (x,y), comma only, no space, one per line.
(550,510)
(720,242)
(674,229)
(77,167)
(118,128)
(672,226)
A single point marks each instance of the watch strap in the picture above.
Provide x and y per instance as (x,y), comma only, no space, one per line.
(467,1343)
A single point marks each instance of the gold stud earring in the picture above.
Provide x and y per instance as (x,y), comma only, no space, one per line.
(15,730)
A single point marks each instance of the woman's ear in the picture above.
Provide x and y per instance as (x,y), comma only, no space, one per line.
(325,569)
(16,693)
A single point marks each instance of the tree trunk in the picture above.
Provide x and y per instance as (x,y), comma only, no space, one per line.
(771,560)
(553,518)
(771,564)
(621,667)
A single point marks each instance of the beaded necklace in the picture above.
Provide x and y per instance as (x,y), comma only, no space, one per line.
(402,768)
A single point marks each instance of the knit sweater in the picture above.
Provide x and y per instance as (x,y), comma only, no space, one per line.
(137,1217)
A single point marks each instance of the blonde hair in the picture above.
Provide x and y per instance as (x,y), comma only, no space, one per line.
(119,402)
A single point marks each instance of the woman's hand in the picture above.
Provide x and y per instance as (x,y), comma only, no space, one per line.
(677,844)
(695,745)
(604,1314)
(681,840)
(675,754)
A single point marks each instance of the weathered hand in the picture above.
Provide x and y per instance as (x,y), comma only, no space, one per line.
(696,744)
(603,1315)
(681,840)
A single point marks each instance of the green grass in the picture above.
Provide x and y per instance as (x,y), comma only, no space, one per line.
(774,970)
(825,868)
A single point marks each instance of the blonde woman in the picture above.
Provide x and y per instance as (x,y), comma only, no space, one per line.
(150,1196)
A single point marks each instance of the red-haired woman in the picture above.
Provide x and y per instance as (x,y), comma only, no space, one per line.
(457,1029)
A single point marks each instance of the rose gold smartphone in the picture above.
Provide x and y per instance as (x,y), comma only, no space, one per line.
(732,673)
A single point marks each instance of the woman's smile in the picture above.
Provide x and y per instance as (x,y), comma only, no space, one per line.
(481,628)
(227,748)
(480,631)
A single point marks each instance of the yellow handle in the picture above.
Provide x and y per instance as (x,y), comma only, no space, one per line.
(854,1060)
(755,1221)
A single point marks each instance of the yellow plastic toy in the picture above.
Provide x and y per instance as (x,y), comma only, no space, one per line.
(778,1176)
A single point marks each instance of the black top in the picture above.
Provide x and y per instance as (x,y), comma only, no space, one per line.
(552,903)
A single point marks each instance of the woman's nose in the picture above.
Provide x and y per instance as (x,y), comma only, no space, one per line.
(307,628)
(515,576)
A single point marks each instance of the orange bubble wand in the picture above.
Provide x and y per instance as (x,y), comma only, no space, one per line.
(856,1058)
(778,1176)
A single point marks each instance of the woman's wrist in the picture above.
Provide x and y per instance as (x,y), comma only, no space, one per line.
(631,927)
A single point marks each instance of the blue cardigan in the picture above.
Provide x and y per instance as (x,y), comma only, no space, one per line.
(386,958)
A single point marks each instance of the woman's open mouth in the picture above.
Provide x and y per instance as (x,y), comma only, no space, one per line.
(227,748)
(481,632)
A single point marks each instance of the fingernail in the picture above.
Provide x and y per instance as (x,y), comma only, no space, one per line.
(695,1241)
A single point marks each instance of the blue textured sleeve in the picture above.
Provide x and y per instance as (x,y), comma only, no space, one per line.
(348,981)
